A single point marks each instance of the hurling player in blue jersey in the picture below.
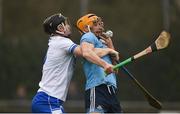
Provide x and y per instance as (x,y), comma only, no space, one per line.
(100,90)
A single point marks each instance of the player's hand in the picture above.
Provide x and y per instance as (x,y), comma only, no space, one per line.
(114,54)
(108,68)
(106,39)
(114,62)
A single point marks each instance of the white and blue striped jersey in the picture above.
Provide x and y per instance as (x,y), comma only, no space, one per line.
(58,67)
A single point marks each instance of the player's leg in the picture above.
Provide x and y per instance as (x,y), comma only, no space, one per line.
(55,105)
(43,103)
(115,104)
(97,99)
(40,103)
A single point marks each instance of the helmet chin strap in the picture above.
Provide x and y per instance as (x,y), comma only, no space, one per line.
(62,33)
(89,28)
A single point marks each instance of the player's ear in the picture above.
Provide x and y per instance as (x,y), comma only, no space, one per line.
(60,28)
(87,28)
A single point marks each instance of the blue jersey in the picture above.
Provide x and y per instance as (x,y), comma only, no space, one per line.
(95,74)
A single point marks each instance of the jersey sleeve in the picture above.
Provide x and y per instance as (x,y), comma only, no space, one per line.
(69,46)
(88,37)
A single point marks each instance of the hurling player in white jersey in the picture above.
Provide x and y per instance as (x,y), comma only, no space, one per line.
(59,65)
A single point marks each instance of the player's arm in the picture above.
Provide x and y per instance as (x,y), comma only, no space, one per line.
(98,51)
(105,51)
(77,51)
(108,41)
(109,44)
(88,53)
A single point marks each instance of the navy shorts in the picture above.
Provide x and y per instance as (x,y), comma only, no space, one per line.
(103,99)
(43,103)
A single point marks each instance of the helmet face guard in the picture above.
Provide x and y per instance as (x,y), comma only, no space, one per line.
(67,21)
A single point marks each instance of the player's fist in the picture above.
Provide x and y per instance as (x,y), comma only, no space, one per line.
(108,69)
(114,54)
